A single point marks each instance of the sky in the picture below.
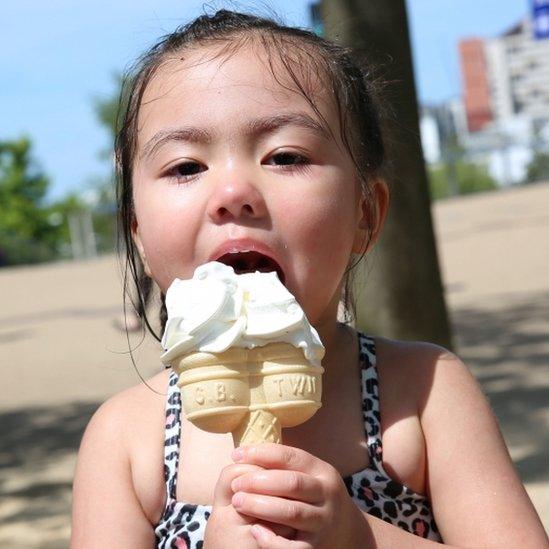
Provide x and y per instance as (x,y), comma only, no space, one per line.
(57,57)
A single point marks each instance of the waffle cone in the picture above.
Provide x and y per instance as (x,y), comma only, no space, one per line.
(252,393)
(215,392)
(257,427)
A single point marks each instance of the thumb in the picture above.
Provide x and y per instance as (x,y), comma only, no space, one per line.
(223,493)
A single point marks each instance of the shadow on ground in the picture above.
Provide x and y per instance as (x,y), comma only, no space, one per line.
(37,453)
(31,436)
(508,351)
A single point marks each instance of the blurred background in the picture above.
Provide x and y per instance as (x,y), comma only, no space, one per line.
(477,121)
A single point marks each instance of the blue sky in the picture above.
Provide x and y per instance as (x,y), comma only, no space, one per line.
(56,56)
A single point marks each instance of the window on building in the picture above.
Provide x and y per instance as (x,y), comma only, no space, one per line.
(518,106)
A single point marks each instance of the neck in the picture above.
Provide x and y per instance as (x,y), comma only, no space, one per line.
(339,361)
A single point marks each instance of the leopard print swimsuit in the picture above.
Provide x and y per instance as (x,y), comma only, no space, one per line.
(182,525)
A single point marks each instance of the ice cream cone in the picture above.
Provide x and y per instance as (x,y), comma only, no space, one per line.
(285,382)
(257,427)
(248,359)
(215,392)
(251,393)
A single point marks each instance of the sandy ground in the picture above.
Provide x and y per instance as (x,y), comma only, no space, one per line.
(61,355)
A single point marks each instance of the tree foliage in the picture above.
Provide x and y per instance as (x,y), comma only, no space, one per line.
(461,177)
(106,113)
(538,168)
(104,217)
(30,231)
(23,186)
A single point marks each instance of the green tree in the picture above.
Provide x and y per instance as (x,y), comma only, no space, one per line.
(538,168)
(26,235)
(104,207)
(468,178)
(30,230)
(106,112)
(403,296)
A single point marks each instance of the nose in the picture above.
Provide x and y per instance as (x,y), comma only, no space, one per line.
(236,199)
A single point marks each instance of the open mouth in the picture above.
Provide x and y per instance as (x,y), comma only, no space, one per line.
(250,262)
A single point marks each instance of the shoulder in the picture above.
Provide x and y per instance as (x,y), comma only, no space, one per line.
(410,367)
(116,418)
(437,384)
(433,375)
(470,477)
(112,459)
(412,354)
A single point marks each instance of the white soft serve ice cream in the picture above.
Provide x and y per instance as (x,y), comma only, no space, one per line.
(218,309)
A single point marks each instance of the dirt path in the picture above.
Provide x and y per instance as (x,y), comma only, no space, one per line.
(61,355)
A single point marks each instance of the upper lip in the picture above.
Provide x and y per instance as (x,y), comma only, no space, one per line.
(246,245)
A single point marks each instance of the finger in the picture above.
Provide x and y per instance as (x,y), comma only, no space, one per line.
(267,539)
(222,492)
(296,514)
(286,484)
(278,456)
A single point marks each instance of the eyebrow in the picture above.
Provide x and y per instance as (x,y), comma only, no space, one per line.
(254,128)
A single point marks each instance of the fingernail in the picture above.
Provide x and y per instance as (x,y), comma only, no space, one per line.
(258,531)
(236,484)
(238,499)
(237,454)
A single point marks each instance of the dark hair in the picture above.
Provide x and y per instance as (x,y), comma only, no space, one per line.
(301,53)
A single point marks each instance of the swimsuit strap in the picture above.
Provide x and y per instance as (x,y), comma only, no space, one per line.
(172,436)
(370,399)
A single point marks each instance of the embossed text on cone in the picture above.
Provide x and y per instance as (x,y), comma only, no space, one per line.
(214,387)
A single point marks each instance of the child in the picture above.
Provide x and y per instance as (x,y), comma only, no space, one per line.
(242,135)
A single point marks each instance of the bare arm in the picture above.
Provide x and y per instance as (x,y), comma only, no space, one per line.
(106,511)
(477,497)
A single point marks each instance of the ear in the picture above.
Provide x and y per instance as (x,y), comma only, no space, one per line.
(372,215)
(136,237)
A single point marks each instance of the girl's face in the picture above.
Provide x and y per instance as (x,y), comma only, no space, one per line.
(229,159)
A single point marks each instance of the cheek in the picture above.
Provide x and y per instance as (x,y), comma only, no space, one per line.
(166,229)
(325,225)
(321,227)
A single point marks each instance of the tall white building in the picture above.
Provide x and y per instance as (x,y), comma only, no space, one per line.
(509,113)
(518,74)
(503,115)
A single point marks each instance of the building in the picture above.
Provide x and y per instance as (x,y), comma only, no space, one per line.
(476,86)
(442,127)
(506,99)
(505,76)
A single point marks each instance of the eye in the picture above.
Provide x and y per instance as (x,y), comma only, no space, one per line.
(289,162)
(186,170)
(287,158)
